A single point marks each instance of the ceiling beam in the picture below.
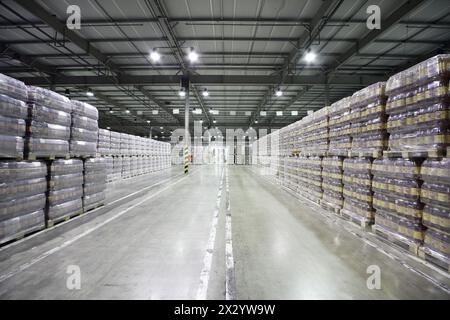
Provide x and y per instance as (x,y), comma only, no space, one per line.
(31,62)
(386,24)
(258,80)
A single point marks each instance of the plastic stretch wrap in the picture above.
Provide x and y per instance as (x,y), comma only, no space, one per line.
(59,182)
(13,108)
(17,206)
(48,98)
(436,218)
(19,226)
(20,170)
(93,187)
(44,114)
(91,201)
(84,109)
(11,147)
(64,195)
(22,188)
(12,127)
(49,131)
(65,209)
(95,165)
(83,148)
(436,171)
(396,168)
(96,177)
(438,241)
(435,194)
(84,123)
(40,147)
(83,135)
(13,88)
(62,167)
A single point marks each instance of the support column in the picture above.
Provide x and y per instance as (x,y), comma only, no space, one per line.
(187,139)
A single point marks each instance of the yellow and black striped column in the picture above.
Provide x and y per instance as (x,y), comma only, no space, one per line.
(186,160)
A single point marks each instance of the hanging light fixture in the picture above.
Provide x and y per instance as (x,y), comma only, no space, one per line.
(111,110)
(192,55)
(127,110)
(278,93)
(205,92)
(155,56)
(182,92)
(67,92)
(310,56)
(89,92)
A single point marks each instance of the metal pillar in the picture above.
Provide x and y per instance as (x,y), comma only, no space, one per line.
(187,140)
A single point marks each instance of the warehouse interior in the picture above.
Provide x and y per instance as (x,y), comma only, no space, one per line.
(316,166)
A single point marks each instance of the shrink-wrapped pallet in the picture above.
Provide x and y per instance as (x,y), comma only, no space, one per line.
(396,187)
(49,124)
(339,125)
(22,198)
(94,182)
(84,130)
(332,184)
(418,108)
(104,142)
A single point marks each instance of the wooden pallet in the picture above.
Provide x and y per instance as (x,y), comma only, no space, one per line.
(20,235)
(93,207)
(73,155)
(330,207)
(430,154)
(360,221)
(435,258)
(397,239)
(366,154)
(52,222)
(51,157)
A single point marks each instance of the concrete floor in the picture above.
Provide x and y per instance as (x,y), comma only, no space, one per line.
(153,245)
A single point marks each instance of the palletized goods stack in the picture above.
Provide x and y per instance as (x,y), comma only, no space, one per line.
(357,191)
(418,109)
(435,193)
(94,183)
(84,131)
(310,178)
(115,143)
(117,168)
(13,114)
(49,124)
(22,198)
(109,166)
(104,142)
(314,139)
(332,184)
(396,187)
(65,190)
(368,121)
(126,167)
(291,174)
(125,144)
(339,125)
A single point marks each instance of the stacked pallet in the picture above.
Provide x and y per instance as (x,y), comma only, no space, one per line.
(117,168)
(332,185)
(94,183)
(49,126)
(314,139)
(22,198)
(115,143)
(109,167)
(84,130)
(104,142)
(368,121)
(291,174)
(125,144)
(396,187)
(339,126)
(435,193)
(310,178)
(358,191)
(13,114)
(418,109)
(65,190)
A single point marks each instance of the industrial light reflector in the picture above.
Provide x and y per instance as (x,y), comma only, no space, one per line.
(310,56)
(89,92)
(278,93)
(155,56)
(205,92)
(192,55)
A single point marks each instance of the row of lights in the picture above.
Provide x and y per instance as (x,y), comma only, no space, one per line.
(182,92)
(192,56)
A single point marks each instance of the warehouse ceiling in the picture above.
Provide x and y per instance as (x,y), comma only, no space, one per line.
(247,50)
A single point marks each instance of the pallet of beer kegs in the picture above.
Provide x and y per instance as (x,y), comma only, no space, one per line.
(435,194)
(398,216)
(357,191)
(418,110)
(339,124)
(332,185)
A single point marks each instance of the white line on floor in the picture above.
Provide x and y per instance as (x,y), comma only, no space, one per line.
(207,259)
(67,243)
(230,284)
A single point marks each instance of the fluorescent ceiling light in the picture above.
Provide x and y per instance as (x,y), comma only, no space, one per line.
(263,113)
(294,112)
(279,113)
(176,111)
(155,112)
